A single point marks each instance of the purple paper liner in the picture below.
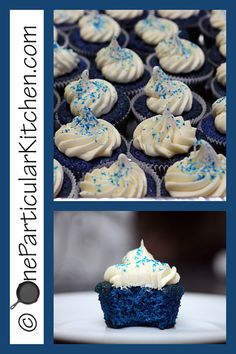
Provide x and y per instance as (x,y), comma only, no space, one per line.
(215,138)
(68,182)
(194,121)
(150,175)
(57,101)
(217,89)
(115,112)
(192,80)
(92,54)
(61,81)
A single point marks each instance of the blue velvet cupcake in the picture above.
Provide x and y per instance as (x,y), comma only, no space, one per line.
(68,66)
(127,18)
(149,32)
(122,67)
(162,140)
(185,19)
(64,182)
(217,54)
(137,293)
(210,25)
(124,178)
(94,32)
(213,126)
(101,96)
(218,83)
(161,91)
(60,37)
(65,20)
(87,142)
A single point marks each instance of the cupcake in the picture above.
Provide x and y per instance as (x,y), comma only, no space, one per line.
(140,291)
(202,174)
(213,125)
(59,37)
(182,60)
(68,65)
(127,18)
(217,54)
(86,142)
(123,178)
(66,19)
(211,25)
(56,101)
(161,140)
(122,67)
(100,95)
(64,182)
(160,91)
(94,32)
(218,84)
(149,32)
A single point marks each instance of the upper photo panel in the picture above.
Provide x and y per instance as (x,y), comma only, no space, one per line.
(140,104)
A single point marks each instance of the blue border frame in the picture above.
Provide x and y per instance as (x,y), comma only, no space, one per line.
(50,206)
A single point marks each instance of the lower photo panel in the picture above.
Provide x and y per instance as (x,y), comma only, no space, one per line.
(139,277)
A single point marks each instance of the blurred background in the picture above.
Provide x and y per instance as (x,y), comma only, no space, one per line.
(86,243)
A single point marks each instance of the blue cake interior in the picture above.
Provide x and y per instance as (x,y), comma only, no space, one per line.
(140,306)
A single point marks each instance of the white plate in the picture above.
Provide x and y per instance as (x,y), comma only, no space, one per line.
(79,318)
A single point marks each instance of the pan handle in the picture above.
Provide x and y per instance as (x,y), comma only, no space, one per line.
(14,305)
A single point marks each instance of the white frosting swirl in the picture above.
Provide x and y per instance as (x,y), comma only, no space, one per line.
(202,174)
(219,112)
(123,178)
(178,14)
(164,135)
(178,55)
(65,60)
(221,74)
(98,28)
(67,16)
(58,176)
(124,14)
(99,95)
(162,91)
(221,42)
(139,268)
(87,137)
(218,19)
(55,34)
(119,64)
(152,29)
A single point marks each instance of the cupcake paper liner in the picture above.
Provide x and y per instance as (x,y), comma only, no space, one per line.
(77,165)
(217,89)
(153,181)
(193,79)
(57,101)
(141,111)
(215,138)
(90,49)
(117,115)
(130,89)
(215,57)
(61,81)
(62,39)
(69,186)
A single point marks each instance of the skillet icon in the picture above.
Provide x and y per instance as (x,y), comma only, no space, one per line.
(27,293)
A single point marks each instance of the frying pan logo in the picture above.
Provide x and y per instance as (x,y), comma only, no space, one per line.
(27,293)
